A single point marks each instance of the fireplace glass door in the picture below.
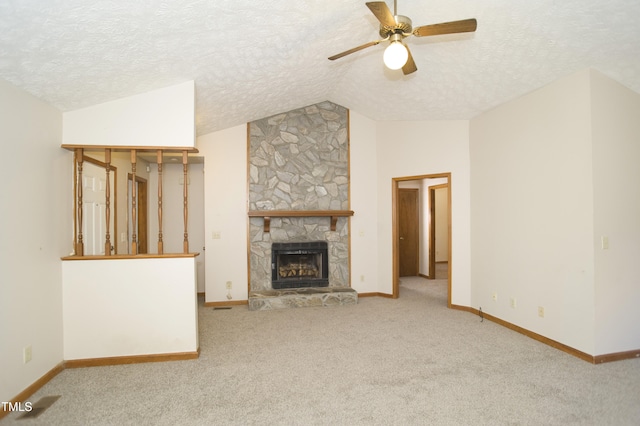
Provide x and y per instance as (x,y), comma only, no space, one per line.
(303,264)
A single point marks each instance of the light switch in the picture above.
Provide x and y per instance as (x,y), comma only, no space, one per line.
(605,243)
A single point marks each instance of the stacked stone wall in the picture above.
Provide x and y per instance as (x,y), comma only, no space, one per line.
(299,160)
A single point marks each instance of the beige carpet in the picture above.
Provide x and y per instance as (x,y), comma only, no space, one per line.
(383,361)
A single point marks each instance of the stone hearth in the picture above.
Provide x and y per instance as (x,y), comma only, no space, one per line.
(302,297)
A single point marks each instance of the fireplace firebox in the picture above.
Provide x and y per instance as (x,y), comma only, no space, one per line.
(299,264)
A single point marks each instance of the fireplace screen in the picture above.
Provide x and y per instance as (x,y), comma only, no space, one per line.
(303,264)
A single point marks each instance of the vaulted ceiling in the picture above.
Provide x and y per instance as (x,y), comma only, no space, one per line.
(253,59)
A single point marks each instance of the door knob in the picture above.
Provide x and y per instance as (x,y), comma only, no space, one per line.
(402,238)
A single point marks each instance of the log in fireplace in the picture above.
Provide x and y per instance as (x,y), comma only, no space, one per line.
(299,264)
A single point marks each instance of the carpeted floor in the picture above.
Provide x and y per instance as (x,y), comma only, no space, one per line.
(381,362)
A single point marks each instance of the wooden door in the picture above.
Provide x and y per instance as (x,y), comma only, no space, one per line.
(408,232)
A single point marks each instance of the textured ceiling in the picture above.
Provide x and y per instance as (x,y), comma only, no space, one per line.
(253,59)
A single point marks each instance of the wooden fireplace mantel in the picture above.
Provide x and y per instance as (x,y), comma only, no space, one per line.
(268,214)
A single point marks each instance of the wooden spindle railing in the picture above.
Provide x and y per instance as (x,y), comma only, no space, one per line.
(80,242)
(160,242)
(185,171)
(80,156)
(134,234)
(107,243)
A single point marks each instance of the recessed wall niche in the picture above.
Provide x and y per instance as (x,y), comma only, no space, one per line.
(299,160)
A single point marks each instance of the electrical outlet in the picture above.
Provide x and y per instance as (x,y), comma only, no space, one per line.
(229,285)
(540,311)
(26,354)
(215,235)
(494,297)
(514,302)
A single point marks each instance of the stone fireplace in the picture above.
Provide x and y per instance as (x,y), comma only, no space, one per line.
(299,163)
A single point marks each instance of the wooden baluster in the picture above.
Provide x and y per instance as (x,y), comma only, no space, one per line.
(107,243)
(160,242)
(185,168)
(80,242)
(134,222)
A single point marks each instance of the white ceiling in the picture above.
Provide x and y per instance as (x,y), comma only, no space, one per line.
(253,59)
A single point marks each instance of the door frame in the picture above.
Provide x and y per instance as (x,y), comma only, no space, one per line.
(395,231)
(142,213)
(432,226)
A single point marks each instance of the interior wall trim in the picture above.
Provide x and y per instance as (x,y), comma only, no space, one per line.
(131,359)
(97,362)
(226,303)
(617,356)
(376,294)
(594,359)
(34,387)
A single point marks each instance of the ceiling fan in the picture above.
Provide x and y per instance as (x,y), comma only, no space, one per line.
(395,28)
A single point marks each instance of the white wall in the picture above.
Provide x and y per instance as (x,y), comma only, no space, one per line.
(532,212)
(364,200)
(225,206)
(35,182)
(421,148)
(163,117)
(616,177)
(125,307)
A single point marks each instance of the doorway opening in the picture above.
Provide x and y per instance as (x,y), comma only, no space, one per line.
(96,190)
(416,199)
(137,225)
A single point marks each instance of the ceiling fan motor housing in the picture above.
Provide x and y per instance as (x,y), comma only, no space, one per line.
(403,26)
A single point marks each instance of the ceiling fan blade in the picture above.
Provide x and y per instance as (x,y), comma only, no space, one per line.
(410,66)
(355,49)
(464,26)
(382,12)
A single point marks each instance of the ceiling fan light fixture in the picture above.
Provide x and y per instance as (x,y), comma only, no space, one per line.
(395,55)
(395,28)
